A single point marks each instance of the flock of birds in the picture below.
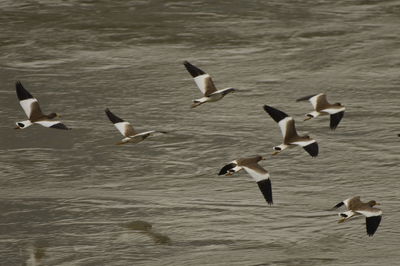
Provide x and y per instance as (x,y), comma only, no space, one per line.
(251,165)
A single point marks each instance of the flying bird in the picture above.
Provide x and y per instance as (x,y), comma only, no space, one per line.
(290,136)
(32,109)
(258,173)
(128,131)
(206,86)
(356,207)
(323,107)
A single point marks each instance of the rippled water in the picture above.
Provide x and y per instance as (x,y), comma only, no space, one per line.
(74,198)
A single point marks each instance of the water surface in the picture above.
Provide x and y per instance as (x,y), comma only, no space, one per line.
(74,198)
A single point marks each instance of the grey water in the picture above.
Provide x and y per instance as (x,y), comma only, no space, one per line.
(76,198)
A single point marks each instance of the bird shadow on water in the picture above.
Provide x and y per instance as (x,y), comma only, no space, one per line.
(299,261)
(36,255)
(146,228)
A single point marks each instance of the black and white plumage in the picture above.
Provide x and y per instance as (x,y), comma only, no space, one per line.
(289,133)
(126,129)
(206,86)
(258,173)
(355,206)
(323,107)
(31,107)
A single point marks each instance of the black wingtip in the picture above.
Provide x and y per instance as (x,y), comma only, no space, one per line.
(312,149)
(226,169)
(305,98)
(194,71)
(276,114)
(22,93)
(60,126)
(335,120)
(113,118)
(266,189)
(372,224)
(338,205)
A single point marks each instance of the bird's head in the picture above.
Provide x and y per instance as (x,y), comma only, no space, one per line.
(259,158)
(372,203)
(54,115)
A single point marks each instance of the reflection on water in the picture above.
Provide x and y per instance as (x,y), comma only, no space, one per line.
(36,254)
(88,201)
(146,228)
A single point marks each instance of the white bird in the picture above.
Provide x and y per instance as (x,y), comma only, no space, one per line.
(258,173)
(127,130)
(323,107)
(206,86)
(32,109)
(356,207)
(290,136)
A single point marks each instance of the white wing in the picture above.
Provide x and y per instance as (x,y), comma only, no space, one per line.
(51,124)
(304,143)
(151,132)
(314,100)
(332,111)
(283,125)
(257,176)
(205,84)
(347,201)
(27,106)
(370,212)
(201,82)
(123,128)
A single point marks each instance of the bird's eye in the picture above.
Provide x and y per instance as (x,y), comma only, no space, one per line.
(277,148)
(343,215)
(20,125)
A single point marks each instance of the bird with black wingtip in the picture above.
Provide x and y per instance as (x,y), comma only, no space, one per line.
(127,130)
(355,206)
(323,107)
(206,86)
(257,172)
(289,133)
(31,107)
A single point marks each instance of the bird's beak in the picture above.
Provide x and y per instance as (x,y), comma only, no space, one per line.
(377,203)
(263,158)
(307,118)
(58,115)
(17,127)
(341,220)
(275,153)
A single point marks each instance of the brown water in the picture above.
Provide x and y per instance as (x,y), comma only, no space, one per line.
(74,198)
